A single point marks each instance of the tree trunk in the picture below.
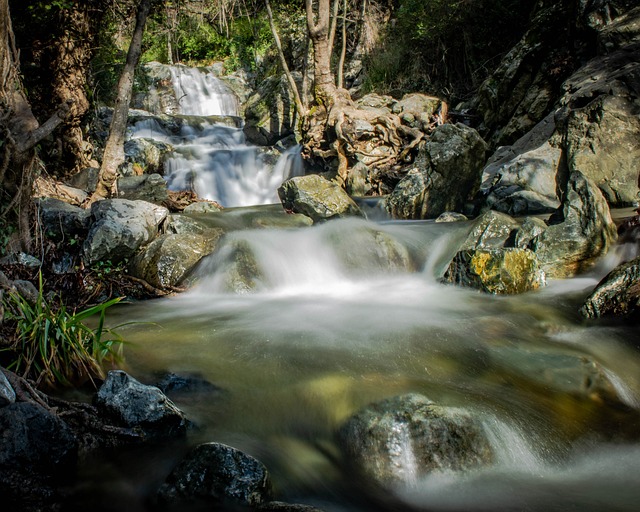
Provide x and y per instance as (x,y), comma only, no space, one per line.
(114,150)
(318,26)
(20,132)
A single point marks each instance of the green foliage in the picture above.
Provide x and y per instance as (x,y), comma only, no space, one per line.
(56,347)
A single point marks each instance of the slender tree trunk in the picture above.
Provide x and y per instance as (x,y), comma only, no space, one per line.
(300,107)
(114,150)
(343,52)
(318,26)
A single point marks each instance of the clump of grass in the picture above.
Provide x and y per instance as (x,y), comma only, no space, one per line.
(54,346)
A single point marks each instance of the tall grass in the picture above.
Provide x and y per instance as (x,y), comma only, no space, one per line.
(54,346)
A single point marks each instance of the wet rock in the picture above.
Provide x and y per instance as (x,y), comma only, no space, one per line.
(217,475)
(492,230)
(531,228)
(62,221)
(444,176)
(7,394)
(135,405)
(451,217)
(498,271)
(35,441)
(618,294)
(184,225)
(575,375)
(579,233)
(21,258)
(366,250)
(236,267)
(144,156)
(317,198)
(405,438)
(120,228)
(168,259)
(181,384)
(148,187)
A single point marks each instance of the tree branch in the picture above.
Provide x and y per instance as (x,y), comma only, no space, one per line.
(45,129)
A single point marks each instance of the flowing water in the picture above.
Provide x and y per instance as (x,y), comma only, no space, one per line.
(350,312)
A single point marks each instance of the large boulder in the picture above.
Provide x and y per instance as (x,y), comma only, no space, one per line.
(120,228)
(134,405)
(217,476)
(62,221)
(580,231)
(35,441)
(405,438)
(144,156)
(491,230)
(317,198)
(499,271)
(235,267)
(169,258)
(445,175)
(618,294)
(522,179)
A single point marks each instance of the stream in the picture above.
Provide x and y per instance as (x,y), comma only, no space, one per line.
(333,324)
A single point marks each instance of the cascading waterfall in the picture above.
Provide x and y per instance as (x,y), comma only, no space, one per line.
(211,156)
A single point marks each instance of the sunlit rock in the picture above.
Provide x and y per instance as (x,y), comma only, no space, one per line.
(217,475)
(134,405)
(451,217)
(317,198)
(498,271)
(236,267)
(491,230)
(618,294)
(169,258)
(120,228)
(579,232)
(144,156)
(444,176)
(531,228)
(403,439)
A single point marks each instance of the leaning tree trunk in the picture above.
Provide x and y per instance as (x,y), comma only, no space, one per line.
(113,155)
(20,133)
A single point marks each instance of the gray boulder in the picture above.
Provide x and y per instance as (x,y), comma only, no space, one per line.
(169,258)
(580,231)
(7,393)
(236,267)
(491,230)
(531,228)
(147,187)
(445,175)
(498,271)
(317,198)
(618,294)
(451,217)
(35,441)
(405,438)
(218,476)
(135,405)
(144,156)
(120,228)
(62,221)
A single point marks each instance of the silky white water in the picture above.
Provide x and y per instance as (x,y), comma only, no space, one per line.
(211,156)
(329,327)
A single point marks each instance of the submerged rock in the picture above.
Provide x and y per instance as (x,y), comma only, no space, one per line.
(405,438)
(217,475)
(618,294)
(135,405)
(317,198)
(498,271)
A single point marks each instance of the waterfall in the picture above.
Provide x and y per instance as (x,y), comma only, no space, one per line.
(210,152)
(202,94)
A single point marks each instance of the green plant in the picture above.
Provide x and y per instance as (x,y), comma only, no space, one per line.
(56,347)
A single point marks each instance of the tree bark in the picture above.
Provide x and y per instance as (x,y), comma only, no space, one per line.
(318,26)
(114,150)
